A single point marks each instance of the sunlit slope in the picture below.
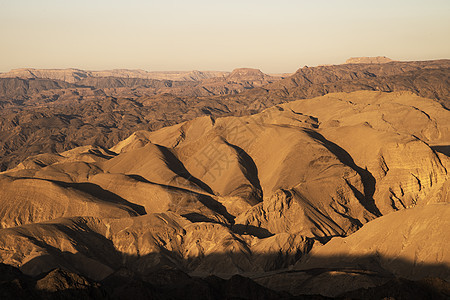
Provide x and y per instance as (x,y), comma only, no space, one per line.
(230,195)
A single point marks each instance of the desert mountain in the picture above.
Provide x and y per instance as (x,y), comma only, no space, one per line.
(409,244)
(249,195)
(247,74)
(46,115)
(16,89)
(425,78)
(76,75)
(402,233)
(164,285)
(26,84)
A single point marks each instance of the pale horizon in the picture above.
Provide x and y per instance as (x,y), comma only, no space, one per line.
(199,35)
(208,70)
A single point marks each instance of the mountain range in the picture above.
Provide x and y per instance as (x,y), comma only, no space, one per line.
(329,183)
(103,110)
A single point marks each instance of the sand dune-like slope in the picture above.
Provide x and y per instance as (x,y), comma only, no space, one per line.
(419,235)
(244,195)
(30,200)
(411,243)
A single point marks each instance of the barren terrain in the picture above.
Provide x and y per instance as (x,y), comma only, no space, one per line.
(330,182)
(44,114)
(323,196)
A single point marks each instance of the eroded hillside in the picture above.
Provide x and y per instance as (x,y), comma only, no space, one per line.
(251,195)
(41,113)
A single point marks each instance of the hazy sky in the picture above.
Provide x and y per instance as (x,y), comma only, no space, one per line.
(274,36)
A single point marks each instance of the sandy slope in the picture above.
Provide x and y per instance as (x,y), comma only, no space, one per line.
(410,243)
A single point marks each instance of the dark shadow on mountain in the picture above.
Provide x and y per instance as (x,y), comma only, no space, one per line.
(102,194)
(196,217)
(99,153)
(251,170)
(400,288)
(165,284)
(178,168)
(356,277)
(97,192)
(367,178)
(442,149)
(205,199)
(259,232)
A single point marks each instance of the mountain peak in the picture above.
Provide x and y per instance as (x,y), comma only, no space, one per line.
(246,74)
